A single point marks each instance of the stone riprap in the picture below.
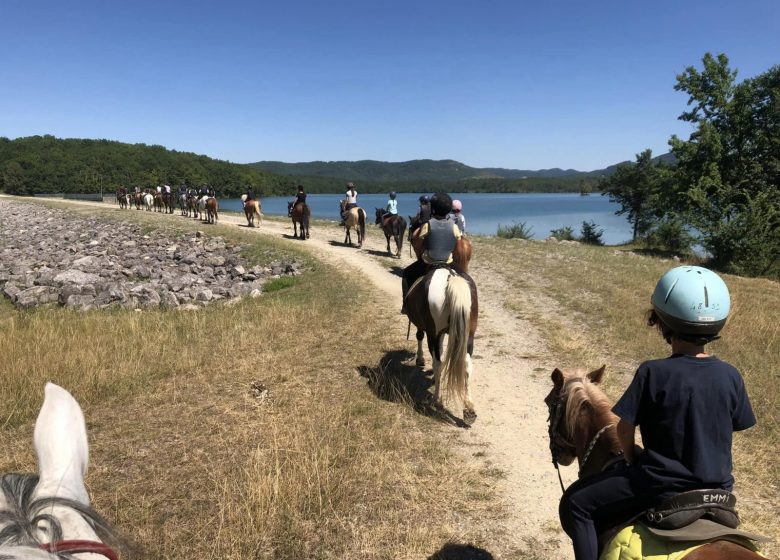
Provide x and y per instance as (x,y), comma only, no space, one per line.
(51,256)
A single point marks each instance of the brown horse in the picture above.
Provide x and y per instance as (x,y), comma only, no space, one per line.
(158,202)
(167,202)
(252,210)
(583,427)
(354,218)
(393,226)
(212,210)
(138,199)
(445,302)
(300,214)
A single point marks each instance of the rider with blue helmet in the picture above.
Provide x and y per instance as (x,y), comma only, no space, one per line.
(686,406)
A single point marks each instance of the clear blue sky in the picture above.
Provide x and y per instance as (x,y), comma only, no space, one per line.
(506,83)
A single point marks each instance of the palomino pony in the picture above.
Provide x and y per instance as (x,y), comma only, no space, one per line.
(354,218)
(393,226)
(300,214)
(252,209)
(583,427)
(445,302)
(47,516)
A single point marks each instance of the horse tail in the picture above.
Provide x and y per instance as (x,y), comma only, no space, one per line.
(362,223)
(258,208)
(458,298)
(401,229)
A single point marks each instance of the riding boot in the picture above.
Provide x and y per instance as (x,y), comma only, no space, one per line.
(404,291)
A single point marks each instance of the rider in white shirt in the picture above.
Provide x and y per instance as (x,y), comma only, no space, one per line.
(351,199)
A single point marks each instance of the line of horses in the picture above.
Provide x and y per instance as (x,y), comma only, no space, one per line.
(190,205)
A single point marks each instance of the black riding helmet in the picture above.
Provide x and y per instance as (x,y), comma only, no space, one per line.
(424,199)
(441,204)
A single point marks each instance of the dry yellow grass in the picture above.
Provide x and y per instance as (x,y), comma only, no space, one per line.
(590,304)
(187,461)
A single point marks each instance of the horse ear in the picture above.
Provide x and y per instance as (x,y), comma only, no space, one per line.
(61,446)
(597,375)
(557,379)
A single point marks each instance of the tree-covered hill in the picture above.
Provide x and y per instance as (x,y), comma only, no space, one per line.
(40,164)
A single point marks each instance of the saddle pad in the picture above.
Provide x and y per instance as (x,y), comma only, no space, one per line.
(635,542)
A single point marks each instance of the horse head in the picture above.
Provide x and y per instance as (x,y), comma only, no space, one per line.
(579,413)
(48,515)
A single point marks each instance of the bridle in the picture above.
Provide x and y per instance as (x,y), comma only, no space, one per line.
(558,442)
(79,547)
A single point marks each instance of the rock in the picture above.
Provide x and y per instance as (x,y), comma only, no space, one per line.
(204,295)
(76,277)
(255,293)
(239,270)
(11,291)
(84,262)
(80,302)
(37,295)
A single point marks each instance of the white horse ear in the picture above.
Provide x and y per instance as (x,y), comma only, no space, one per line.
(61,446)
(597,375)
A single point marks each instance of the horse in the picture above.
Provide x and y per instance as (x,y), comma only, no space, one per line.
(48,516)
(138,198)
(167,199)
(353,218)
(212,209)
(583,427)
(443,302)
(300,214)
(158,202)
(393,226)
(148,201)
(183,210)
(193,206)
(123,199)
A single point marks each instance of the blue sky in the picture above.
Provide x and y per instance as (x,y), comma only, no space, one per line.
(513,84)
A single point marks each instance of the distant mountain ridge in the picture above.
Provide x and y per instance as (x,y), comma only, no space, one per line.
(425,170)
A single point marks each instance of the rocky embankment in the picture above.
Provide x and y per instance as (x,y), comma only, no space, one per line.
(51,256)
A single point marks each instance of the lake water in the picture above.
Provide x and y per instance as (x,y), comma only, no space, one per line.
(484,212)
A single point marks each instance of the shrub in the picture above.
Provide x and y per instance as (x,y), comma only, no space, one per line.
(670,234)
(565,233)
(518,230)
(591,234)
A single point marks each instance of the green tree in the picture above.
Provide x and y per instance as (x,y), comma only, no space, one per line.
(727,178)
(635,186)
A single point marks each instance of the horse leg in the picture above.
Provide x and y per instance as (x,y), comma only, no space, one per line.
(469,415)
(420,361)
(435,345)
(387,238)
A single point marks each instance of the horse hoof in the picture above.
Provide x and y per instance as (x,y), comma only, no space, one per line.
(469,417)
(419,362)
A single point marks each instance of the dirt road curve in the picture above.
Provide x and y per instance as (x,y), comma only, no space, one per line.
(511,378)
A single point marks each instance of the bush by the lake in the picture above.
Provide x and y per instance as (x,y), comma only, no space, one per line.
(670,235)
(591,234)
(565,233)
(518,230)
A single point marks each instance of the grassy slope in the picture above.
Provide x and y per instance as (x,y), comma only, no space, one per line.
(188,463)
(590,302)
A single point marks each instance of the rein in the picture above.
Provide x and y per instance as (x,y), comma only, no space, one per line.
(79,547)
(556,413)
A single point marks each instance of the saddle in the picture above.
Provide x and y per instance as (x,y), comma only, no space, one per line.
(430,270)
(689,519)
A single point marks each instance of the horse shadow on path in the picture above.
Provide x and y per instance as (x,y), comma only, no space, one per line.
(397,379)
(452,551)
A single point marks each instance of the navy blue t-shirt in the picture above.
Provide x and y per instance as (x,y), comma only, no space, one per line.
(687,409)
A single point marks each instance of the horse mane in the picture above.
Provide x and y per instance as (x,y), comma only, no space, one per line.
(22,514)
(581,393)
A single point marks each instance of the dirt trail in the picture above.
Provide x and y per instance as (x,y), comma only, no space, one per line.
(511,373)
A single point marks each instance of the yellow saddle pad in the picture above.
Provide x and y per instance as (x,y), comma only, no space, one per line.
(635,542)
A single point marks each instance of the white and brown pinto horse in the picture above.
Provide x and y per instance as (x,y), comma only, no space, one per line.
(583,427)
(47,516)
(444,302)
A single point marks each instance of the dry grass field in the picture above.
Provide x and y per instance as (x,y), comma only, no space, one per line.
(191,457)
(590,303)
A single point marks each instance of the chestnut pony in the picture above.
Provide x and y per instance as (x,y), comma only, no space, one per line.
(583,427)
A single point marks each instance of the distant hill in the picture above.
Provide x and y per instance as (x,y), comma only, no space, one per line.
(39,164)
(446,173)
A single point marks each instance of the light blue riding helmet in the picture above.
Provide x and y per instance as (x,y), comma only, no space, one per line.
(692,301)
